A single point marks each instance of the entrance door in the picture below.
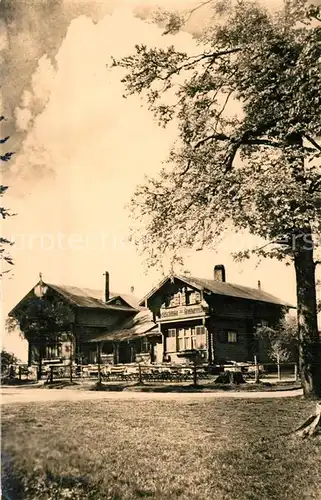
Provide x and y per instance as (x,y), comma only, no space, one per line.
(125,352)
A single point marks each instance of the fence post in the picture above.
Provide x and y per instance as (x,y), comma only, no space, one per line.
(98,360)
(51,374)
(278,366)
(140,379)
(257,372)
(71,358)
(195,371)
(295,372)
(19,372)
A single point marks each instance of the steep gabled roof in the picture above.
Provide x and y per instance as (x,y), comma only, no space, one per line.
(140,325)
(221,288)
(232,290)
(86,298)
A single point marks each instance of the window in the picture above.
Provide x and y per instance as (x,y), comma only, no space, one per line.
(171,340)
(181,339)
(200,337)
(177,299)
(232,337)
(183,299)
(185,339)
(145,345)
(53,351)
(193,338)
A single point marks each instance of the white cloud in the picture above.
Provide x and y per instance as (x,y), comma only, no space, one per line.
(23,117)
(98,145)
(42,79)
(26,99)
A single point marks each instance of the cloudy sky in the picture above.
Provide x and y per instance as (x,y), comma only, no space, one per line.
(81,149)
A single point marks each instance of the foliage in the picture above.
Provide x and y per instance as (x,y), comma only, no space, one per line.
(243,170)
(4,212)
(7,358)
(278,352)
(283,338)
(41,320)
(247,107)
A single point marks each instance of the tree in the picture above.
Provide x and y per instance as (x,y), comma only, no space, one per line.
(283,339)
(257,170)
(4,242)
(7,359)
(42,322)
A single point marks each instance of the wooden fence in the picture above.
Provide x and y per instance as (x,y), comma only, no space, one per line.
(158,373)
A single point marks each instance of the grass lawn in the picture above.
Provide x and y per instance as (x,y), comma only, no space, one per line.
(219,449)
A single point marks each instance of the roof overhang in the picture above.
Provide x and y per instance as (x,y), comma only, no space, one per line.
(123,335)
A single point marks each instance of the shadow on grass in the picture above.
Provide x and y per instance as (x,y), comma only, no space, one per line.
(106,387)
(176,388)
(59,384)
(12,485)
(17,487)
(17,382)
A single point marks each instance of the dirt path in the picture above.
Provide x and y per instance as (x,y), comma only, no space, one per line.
(10,395)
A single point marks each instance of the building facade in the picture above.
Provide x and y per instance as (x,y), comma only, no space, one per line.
(108,326)
(180,316)
(216,318)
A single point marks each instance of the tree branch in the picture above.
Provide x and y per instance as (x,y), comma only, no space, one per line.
(213,137)
(223,108)
(213,56)
(230,157)
(263,142)
(243,140)
(233,147)
(313,142)
(191,12)
(6,157)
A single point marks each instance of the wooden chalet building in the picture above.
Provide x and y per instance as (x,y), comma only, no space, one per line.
(181,314)
(118,318)
(217,318)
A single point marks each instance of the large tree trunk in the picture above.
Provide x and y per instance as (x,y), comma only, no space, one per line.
(312,426)
(309,340)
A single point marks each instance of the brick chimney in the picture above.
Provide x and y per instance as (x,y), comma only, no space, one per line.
(219,273)
(259,285)
(132,289)
(106,286)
